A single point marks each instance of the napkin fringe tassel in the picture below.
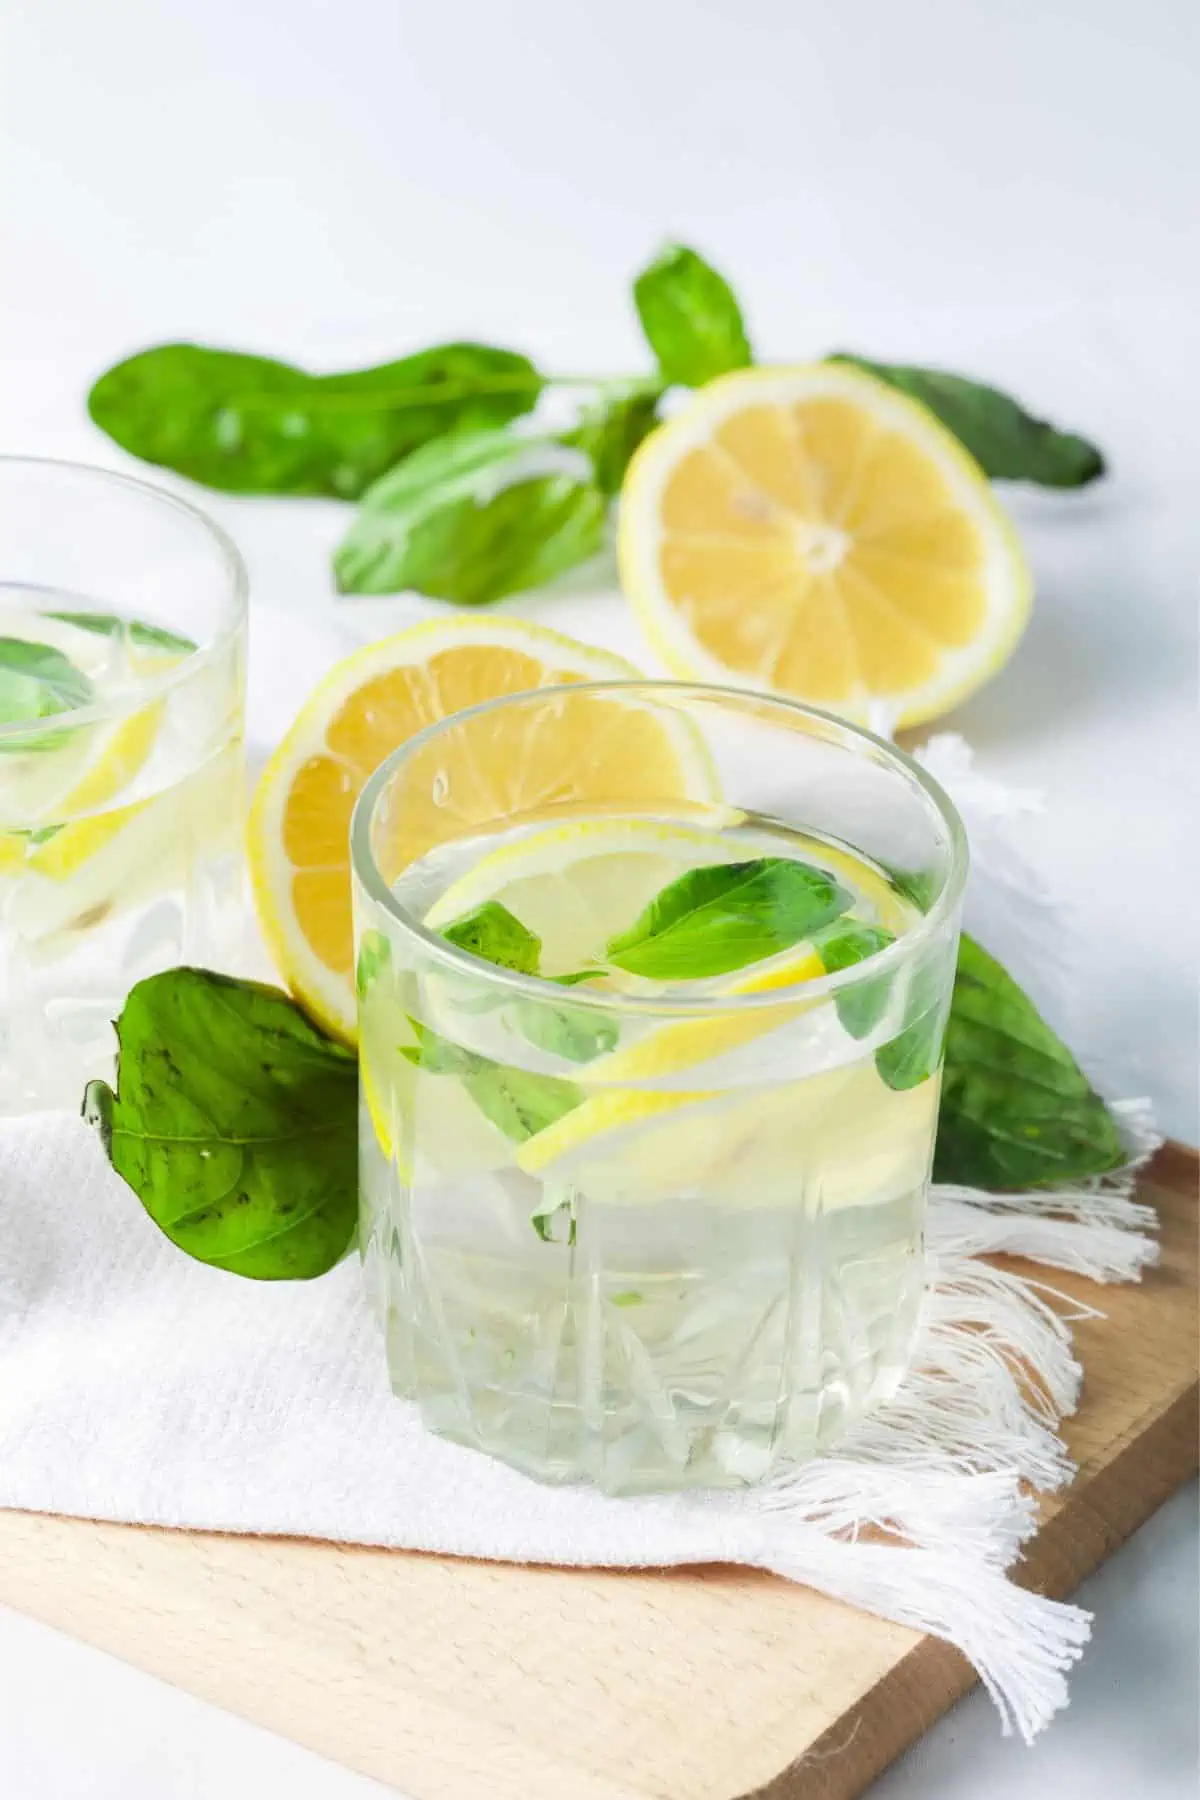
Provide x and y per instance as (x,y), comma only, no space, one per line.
(927,1503)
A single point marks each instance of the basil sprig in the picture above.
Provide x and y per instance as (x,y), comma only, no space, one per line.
(461,498)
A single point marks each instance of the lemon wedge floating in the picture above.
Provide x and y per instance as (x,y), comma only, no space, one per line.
(812,532)
(495,766)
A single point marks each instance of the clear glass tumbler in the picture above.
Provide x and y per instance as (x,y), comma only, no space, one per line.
(122,653)
(644,1207)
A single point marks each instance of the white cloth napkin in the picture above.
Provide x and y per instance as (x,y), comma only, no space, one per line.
(138,1385)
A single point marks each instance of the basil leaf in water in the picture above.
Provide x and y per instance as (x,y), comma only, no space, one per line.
(497,936)
(517,1103)
(144,636)
(38,682)
(719,918)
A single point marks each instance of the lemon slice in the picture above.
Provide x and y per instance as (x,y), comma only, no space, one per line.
(497,766)
(840,1138)
(578,884)
(814,533)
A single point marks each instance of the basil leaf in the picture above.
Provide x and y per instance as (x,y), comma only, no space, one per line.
(612,431)
(840,946)
(1007,442)
(438,1055)
(497,936)
(38,682)
(374,957)
(690,317)
(920,886)
(252,425)
(234,1121)
(492,932)
(518,1103)
(720,918)
(1017,1110)
(574,1032)
(473,517)
(553,1218)
(146,637)
(913,1054)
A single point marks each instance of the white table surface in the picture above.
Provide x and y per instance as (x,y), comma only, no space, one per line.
(1006,190)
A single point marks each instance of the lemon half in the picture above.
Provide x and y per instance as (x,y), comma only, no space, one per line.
(494,767)
(814,533)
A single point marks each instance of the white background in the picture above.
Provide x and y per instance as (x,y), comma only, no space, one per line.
(1006,189)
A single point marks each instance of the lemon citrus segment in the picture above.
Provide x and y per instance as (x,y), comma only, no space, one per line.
(494,766)
(814,533)
(741,1147)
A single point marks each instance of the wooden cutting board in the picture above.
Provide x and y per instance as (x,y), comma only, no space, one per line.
(456,1680)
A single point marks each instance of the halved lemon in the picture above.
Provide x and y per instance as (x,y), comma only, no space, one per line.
(493,767)
(812,532)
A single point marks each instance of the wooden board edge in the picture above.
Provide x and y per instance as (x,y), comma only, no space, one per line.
(1071,1544)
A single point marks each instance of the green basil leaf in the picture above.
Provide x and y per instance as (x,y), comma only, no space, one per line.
(235,1123)
(38,682)
(252,425)
(553,1218)
(914,1053)
(473,517)
(492,932)
(497,936)
(691,318)
(574,1032)
(720,918)
(840,946)
(439,1055)
(518,1103)
(613,430)
(1007,442)
(920,886)
(374,956)
(146,637)
(1017,1110)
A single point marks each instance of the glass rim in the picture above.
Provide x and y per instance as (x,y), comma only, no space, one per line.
(366,869)
(235,585)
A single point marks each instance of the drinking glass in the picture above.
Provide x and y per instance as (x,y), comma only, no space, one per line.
(122,651)
(669,1235)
